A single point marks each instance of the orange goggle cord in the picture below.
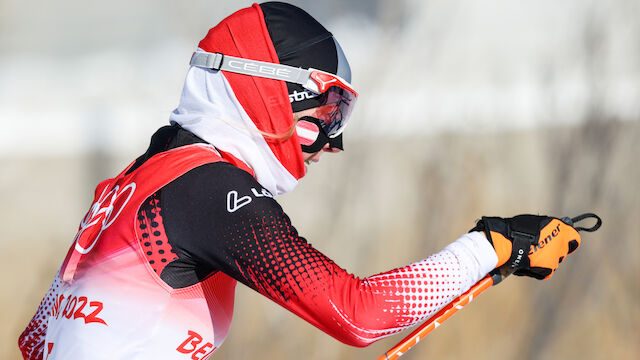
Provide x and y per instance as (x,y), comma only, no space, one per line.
(336,96)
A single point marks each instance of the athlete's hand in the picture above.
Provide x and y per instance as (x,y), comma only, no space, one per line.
(531,245)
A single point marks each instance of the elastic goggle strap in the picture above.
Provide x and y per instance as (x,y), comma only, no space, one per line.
(217,61)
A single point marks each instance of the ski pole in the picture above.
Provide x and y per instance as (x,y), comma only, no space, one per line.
(493,278)
(436,320)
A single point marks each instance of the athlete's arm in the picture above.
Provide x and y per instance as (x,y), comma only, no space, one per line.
(218,218)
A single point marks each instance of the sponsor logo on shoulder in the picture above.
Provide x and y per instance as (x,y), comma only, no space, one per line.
(235,201)
(262,193)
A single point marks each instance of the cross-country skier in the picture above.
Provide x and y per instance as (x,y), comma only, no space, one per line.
(152,270)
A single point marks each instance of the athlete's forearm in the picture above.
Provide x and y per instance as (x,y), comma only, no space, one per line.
(384,304)
(361,311)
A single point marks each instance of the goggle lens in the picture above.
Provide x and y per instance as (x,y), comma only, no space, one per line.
(335,109)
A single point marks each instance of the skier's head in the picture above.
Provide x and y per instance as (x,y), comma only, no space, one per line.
(253,74)
(301,41)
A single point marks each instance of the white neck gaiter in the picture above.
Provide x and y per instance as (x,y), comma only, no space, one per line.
(209,109)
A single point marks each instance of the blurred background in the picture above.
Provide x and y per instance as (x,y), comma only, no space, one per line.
(467,108)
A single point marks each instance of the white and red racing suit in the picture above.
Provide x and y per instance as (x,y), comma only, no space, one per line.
(153,268)
(152,271)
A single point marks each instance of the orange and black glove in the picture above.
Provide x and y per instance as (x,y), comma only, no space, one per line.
(530,245)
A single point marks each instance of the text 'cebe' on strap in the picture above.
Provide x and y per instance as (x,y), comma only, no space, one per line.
(218,61)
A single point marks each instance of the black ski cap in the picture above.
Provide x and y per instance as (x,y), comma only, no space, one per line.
(301,41)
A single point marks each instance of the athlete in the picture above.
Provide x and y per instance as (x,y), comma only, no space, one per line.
(152,270)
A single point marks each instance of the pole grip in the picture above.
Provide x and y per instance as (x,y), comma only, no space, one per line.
(501,273)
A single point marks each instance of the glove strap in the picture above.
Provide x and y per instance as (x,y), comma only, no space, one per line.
(522,239)
(520,249)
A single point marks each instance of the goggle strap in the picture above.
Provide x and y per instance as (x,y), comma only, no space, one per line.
(217,61)
(207,60)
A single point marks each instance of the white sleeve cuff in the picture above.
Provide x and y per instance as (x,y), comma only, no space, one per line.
(475,255)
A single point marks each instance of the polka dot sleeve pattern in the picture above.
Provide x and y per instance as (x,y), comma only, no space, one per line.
(238,228)
(153,238)
(267,254)
(32,339)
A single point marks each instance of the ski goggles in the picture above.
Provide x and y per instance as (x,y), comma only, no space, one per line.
(335,95)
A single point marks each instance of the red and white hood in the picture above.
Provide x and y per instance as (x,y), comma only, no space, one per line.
(231,111)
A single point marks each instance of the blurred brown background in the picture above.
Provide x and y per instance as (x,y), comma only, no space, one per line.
(466,109)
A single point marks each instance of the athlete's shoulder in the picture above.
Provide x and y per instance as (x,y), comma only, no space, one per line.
(219,187)
(221,176)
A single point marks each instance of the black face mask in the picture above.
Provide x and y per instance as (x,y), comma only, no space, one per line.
(322,139)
